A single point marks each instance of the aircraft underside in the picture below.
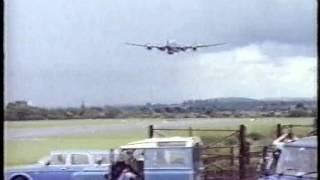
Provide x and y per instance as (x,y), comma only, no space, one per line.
(171,51)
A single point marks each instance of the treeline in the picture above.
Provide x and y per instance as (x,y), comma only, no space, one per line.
(222,107)
(20,110)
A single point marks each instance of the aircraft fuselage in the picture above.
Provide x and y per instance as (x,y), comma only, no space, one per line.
(171,50)
(172,47)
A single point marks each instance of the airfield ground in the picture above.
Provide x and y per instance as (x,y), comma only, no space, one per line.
(26,142)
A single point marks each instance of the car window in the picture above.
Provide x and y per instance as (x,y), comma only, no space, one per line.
(58,159)
(77,159)
(164,158)
(102,158)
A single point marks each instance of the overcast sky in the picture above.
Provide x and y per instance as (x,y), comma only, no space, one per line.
(60,53)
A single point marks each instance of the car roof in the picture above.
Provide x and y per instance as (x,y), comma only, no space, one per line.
(165,141)
(80,151)
(310,141)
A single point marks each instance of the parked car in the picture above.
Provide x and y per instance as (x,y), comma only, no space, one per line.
(66,165)
(292,161)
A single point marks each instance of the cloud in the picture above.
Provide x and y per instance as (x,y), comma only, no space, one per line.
(248,71)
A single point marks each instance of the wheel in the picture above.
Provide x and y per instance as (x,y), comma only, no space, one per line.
(19,177)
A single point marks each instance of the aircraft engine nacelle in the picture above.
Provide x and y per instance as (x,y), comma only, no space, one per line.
(149,48)
(194,49)
(162,49)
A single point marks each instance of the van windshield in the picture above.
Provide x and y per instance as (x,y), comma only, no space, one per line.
(168,158)
(295,160)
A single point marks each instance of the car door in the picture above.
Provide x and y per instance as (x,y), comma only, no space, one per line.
(84,168)
(79,161)
(57,168)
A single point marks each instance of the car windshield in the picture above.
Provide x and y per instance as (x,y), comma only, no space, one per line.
(297,160)
(168,158)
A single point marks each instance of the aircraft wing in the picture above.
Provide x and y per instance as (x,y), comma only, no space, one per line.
(143,45)
(203,46)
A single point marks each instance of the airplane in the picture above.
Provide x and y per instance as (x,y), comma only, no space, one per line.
(172,47)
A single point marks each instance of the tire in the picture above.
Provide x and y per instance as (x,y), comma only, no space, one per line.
(19,177)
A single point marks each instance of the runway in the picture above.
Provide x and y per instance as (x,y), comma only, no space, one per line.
(124,127)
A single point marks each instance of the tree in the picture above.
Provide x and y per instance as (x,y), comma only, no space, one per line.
(112,112)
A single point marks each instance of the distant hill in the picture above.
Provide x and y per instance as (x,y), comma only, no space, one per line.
(234,99)
(290,99)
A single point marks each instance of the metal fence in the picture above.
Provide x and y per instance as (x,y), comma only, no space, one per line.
(237,161)
(221,161)
(291,127)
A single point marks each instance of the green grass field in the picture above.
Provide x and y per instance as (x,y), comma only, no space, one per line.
(29,150)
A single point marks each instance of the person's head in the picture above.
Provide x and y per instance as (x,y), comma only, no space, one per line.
(60,158)
(121,157)
(129,152)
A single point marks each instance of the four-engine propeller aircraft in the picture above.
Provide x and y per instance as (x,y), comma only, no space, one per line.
(171,47)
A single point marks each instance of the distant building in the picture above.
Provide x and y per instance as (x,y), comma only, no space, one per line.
(82,108)
(19,104)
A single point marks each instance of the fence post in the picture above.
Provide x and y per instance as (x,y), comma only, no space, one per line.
(279,130)
(190,131)
(231,156)
(111,156)
(150,131)
(242,152)
(205,173)
(290,133)
(248,153)
(264,160)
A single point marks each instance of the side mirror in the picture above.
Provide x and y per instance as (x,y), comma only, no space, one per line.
(47,163)
(99,161)
(276,153)
(267,172)
(44,162)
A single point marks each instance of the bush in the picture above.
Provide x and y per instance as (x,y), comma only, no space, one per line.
(231,141)
(255,136)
